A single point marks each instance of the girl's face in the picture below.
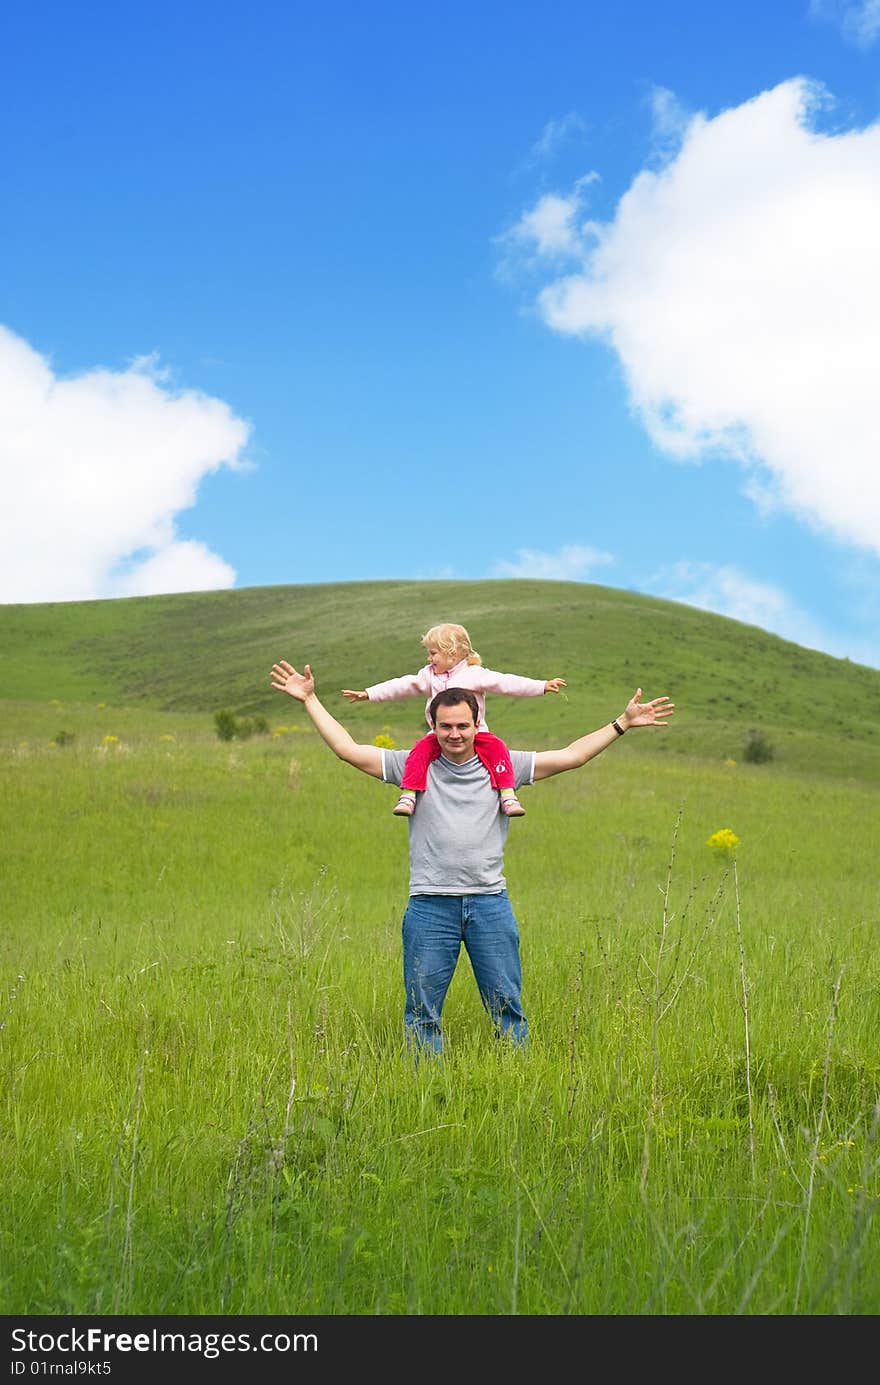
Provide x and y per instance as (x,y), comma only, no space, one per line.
(441,662)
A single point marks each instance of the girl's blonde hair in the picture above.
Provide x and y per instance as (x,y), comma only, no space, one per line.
(451,639)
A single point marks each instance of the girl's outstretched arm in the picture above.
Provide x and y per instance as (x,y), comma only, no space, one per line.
(409,685)
(511,684)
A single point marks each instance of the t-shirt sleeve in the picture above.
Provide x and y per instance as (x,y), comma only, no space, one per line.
(393,762)
(523,762)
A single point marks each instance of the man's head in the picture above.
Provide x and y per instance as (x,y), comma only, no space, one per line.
(454,714)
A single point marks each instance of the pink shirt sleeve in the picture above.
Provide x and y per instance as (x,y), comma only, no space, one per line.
(408,685)
(511,684)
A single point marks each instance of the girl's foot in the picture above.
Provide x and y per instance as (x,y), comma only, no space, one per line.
(405,806)
(511,806)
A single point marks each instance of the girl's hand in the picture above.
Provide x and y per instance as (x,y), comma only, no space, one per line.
(554,684)
(351,695)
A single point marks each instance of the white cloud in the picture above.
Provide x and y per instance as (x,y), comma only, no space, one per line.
(554,230)
(859,20)
(726,590)
(550,226)
(571,563)
(669,121)
(551,230)
(556,132)
(185,566)
(740,288)
(729,592)
(95,468)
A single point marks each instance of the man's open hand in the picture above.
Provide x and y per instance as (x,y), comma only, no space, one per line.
(653,713)
(286,679)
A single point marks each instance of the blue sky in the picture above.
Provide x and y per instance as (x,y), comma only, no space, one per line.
(308,293)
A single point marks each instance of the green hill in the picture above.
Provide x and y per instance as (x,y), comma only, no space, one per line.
(196,652)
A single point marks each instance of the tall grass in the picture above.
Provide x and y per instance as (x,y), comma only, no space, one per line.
(207,1103)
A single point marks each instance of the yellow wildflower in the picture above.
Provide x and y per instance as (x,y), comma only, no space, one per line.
(723,841)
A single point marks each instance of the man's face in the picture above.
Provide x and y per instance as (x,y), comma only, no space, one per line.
(455,731)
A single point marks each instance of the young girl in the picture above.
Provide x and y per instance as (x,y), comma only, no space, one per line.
(454,663)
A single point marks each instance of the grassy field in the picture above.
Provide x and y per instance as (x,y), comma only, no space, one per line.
(207,1106)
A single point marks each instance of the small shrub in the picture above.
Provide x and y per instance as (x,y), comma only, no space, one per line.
(757,750)
(230,727)
(225,724)
(64,738)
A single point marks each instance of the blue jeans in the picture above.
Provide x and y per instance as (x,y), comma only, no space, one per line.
(434,928)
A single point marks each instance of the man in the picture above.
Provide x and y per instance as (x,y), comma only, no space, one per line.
(457,890)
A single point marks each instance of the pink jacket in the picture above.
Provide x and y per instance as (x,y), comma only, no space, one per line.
(462,675)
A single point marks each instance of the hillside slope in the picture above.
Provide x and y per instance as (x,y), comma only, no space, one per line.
(196,652)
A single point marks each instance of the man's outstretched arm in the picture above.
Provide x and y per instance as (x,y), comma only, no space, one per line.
(302,687)
(638,713)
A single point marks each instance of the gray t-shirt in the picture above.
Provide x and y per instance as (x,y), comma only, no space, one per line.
(457,833)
